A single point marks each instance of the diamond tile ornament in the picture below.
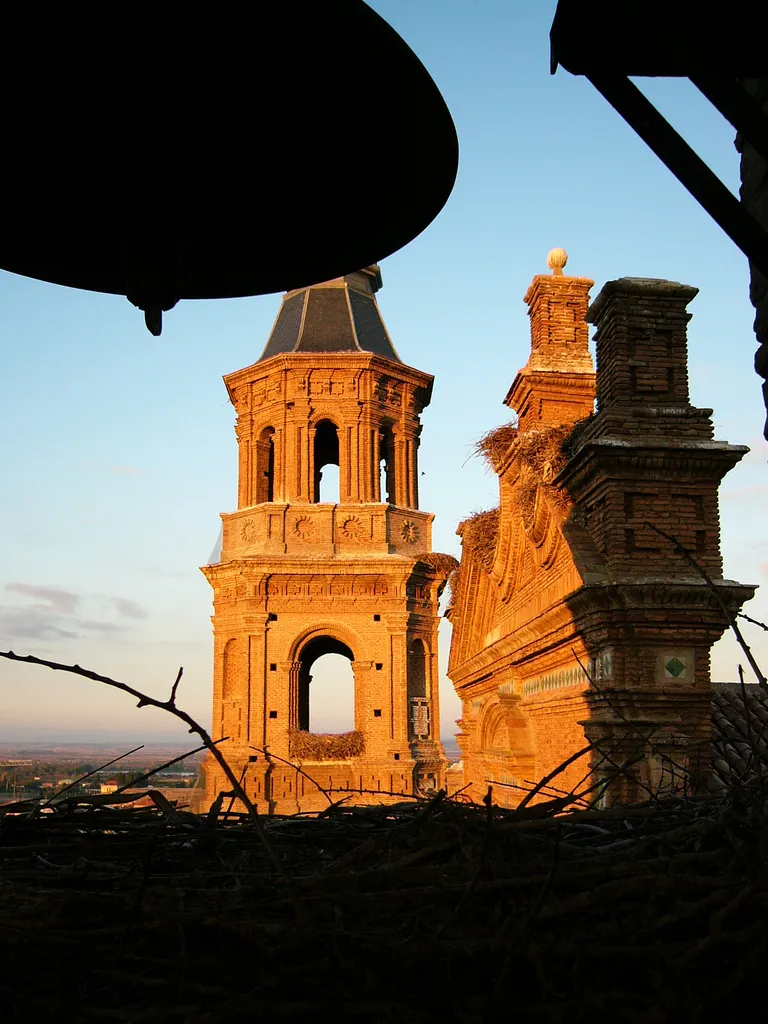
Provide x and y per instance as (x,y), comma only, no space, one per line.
(674,667)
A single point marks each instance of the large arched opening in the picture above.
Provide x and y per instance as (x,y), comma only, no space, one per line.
(326,454)
(326,698)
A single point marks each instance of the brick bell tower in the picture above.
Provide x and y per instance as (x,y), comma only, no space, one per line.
(299,578)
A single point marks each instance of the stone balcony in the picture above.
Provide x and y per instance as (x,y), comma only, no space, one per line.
(299,530)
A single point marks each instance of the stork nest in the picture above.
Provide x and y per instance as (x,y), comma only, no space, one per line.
(324,746)
(424,911)
(494,445)
(439,562)
(479,534)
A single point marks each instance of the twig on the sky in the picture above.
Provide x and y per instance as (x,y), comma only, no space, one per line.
(730,618)
(144,700)
(755,622)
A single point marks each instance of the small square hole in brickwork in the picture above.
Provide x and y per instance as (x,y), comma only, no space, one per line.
(272,617)
(377,618)
(674,668)
(273,714)
(379,666)
(396,757)
(273,666)
(252,758)
(377,712)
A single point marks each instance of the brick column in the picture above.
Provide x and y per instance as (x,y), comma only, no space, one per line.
(309,462)
(278,478)
(243,435)
(374,467)
(400,445)
(293,670)
(362,671)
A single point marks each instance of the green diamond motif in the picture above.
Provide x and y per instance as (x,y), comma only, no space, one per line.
(674,667)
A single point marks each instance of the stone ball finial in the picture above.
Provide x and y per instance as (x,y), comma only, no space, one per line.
(556,260)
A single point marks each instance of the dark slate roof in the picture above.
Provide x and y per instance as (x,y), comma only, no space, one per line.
(335,316)
(738,728)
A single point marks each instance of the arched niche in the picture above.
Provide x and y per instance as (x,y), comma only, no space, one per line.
(417,687)
(230,666)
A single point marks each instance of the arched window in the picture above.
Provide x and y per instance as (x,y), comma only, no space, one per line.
(326,687)
(326,454)
(265,466)
(387,465)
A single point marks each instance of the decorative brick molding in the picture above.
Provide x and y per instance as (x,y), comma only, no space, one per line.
(577,608)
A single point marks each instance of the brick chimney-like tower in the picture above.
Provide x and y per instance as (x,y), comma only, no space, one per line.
(354,576)
(557,384)
(573,619)
(648,459)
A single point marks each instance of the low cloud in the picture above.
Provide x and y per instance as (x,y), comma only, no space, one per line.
(33,624)
(38,623)
(50,613)
(52,597)
(129,609)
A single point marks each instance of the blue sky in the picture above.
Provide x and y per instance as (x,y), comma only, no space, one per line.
(119,452)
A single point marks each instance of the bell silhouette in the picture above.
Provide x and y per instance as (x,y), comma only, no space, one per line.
(223,155)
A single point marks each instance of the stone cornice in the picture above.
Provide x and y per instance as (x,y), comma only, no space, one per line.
(657,593)
(644,287)
(300,362)
(649,458)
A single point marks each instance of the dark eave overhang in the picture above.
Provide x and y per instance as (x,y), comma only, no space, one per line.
(715,46)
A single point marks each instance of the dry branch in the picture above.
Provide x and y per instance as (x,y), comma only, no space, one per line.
(144,700)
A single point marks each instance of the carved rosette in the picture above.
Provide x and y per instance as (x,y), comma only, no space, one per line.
(409,531)
(248,530)
(352,528)
(304,527)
